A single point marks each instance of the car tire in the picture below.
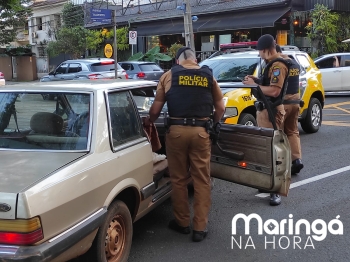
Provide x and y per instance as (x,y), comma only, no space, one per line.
(114,238)
(247,120)
(312,122)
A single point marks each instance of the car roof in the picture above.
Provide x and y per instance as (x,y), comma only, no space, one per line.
(252,54)
(138,62)
(79,85)
(88,60)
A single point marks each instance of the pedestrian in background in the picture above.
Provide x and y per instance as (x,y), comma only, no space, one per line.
(274,78)
(191,93)
(292,106)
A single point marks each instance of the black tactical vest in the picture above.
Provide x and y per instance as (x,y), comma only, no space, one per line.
(190,95)
(293,79)
(266,80)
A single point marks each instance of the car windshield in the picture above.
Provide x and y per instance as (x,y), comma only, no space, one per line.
(149,67)
(44,121)
(104,66)
(231,70)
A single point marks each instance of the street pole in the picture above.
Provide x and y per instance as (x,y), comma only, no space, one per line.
(115,45)
(189,26)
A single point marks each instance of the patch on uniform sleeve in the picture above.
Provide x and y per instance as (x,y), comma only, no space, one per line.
(274,79)
(276,71)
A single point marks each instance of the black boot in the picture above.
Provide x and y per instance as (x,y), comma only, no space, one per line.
(297,165)
(275,199)
(198,236)
(173,225)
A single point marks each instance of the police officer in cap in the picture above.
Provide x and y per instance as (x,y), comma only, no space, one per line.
(291,106)
(274,79)
(191,93)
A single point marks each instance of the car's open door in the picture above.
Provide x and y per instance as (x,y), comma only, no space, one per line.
(253,156)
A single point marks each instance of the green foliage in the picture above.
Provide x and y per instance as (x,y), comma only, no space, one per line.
(72,15)
(173,49)
(122,38)
(324,30)
(74,40)
(13,15)
(152,55)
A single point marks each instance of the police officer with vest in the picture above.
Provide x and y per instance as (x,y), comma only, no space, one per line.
(291,106)
(272,85)
(191,93)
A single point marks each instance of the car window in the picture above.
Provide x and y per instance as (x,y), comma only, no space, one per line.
(129,67)
(62,69)
(124,119)
(104,66)
(29,121)
(346,60)
(303,61)
(234,69)
(74,68)
(149,67)
(326,63)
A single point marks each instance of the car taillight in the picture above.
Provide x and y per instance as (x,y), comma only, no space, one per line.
(141,75)
(21,231)
(93,76)
(107,62)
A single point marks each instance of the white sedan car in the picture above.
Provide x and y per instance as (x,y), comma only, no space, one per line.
(335,69)
(2,79)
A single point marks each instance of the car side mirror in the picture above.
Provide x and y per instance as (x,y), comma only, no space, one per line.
(229,112)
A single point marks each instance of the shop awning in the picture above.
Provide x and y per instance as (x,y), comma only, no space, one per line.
(217,22)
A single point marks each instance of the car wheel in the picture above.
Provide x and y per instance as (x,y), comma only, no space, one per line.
(247,120)
(113,240)
(313,119)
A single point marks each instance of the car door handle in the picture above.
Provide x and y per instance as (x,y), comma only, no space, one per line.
(337,71)
(62,78)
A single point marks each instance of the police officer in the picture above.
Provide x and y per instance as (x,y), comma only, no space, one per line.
(291,106)
(191,92)
(274,77)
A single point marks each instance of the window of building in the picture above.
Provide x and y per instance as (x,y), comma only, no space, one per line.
(41,51)
(152,41)
(125,126)
(39,23)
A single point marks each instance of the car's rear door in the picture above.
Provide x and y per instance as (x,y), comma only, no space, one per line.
(253,156)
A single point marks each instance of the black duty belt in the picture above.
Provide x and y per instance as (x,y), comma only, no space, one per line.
(291,102)
(188,122)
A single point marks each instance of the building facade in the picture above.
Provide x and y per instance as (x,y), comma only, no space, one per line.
(161,23)
(43,25)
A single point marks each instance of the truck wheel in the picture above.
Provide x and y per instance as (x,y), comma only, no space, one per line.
(247,120)
(113,240)
(313,119)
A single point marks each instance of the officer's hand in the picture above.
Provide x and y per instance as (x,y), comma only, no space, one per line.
(249,81)
(147,122)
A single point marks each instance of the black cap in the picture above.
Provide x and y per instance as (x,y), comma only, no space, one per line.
(278,49)
(181,50)
(265,42)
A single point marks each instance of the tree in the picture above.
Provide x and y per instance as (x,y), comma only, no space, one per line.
(324,31)
(152,55)
(72,15)
(14,15)
(73,40)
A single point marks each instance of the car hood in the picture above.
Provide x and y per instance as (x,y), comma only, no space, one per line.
(230,86)
(22,169)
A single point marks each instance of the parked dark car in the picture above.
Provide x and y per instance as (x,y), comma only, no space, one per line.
(142,70)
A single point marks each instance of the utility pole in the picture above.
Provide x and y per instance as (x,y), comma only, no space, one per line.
(115,46)
(188,26)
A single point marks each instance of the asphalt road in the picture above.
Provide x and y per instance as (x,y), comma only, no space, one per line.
(324,153)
